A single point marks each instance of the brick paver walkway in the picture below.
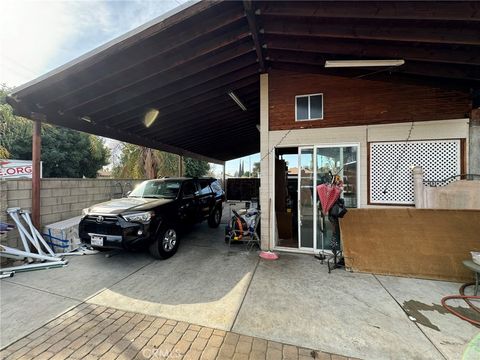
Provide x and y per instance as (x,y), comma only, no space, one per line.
(95,332)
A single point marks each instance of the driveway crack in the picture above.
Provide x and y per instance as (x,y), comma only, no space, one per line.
(406,313)
(245,295)
(42,290)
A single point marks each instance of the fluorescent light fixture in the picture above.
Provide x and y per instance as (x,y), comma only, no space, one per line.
(84,118)
(362,63)
(237,100)
(150,117)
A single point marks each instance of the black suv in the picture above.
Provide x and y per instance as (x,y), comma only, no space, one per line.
(152,215)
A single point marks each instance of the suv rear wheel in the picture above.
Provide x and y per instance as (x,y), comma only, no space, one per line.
(166,243)
(215,217)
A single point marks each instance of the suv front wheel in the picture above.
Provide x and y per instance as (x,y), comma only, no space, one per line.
(166,243)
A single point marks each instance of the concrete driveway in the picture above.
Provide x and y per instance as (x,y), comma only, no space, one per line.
(293,300)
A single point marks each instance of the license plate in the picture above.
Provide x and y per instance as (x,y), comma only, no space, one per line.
(97,240)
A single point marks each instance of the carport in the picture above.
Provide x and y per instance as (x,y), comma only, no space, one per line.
(188,82)
(195,82)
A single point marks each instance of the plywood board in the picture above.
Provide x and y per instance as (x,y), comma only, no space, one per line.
(422,243)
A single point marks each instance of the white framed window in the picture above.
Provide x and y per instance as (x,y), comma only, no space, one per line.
(309,107)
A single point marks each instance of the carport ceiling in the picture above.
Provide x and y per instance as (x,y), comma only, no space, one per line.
(184,63)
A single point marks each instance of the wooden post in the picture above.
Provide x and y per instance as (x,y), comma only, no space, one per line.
(36,149)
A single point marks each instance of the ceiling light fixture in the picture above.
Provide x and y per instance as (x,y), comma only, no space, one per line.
(84,118)
(150,117)
(362,63)
(237,100)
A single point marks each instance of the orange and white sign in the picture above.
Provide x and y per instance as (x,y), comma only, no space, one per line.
(14,169)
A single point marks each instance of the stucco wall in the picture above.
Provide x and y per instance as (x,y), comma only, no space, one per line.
(60,199)
(361,135)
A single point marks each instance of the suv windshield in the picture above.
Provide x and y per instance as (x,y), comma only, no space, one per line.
(157,189)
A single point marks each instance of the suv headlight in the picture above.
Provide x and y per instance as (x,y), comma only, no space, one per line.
(85,211)
(144,217)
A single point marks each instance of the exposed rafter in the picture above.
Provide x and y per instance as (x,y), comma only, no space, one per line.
(188,99)
(174,122)
(408,10)
(104,130)
(156,56)
(316,62)
(430,53)
(442,32)
(202,10)
(183,65)
(217,77)
(252,23)
(152,80)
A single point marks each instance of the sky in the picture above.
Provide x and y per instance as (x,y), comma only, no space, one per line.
(38,36)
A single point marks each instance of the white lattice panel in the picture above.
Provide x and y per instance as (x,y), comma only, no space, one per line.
(391,180)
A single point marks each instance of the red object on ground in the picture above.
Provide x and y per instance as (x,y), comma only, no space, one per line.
(268,255)
(328,194)
(467,299)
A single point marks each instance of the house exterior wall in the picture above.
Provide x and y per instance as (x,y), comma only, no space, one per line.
(352,102)
(361,135)
(355,112)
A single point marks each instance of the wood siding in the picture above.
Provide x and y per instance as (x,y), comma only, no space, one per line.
(351,102)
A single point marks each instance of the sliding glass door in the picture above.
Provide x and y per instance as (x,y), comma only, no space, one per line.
(318,165)
(306,201)
(335,161)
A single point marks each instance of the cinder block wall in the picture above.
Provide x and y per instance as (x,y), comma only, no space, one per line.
(60,199)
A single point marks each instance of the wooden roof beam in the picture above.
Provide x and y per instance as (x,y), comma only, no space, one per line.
(158,25)
(174,126)
(411,10)
(139,77)
(143,91)
(464,73)
(169,103)
(174,118)
(239,129)
(223,119)
(190,103)
(110,132)
(211,78)
(121,72)
(363,49)
(439,32)
(250,144)
(252,23)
